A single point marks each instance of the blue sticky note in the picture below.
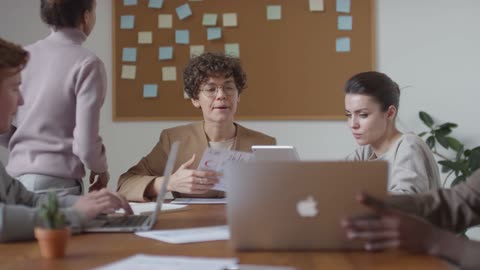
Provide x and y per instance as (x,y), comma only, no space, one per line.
(130,2)
(343,44)
(127,21)
(343,6)
(165,53)
(184,11)
(214,33)
(155,3)
(129,55)
(150,90)
(182,36)
(344,22)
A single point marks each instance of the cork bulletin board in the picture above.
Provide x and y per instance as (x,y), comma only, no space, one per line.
(297,54)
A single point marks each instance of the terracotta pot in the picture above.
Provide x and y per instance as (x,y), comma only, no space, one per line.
(52,243)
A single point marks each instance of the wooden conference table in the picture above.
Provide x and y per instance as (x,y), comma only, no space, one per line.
(87,251)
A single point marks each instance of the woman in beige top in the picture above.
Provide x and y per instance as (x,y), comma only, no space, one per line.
(371,105)
(214,82)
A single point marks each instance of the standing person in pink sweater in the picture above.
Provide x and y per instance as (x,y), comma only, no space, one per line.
(55,135)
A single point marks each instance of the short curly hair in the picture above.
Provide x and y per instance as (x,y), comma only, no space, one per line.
(211,64)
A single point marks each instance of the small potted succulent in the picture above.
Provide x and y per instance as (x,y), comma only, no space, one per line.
(53,235)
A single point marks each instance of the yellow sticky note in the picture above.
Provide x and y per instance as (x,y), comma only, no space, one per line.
(129,72)
(209,19)
(230,19)
(274,12)
(316,5)
(196,50)
(232,49)
(145,37)
(165,21)
(169,73)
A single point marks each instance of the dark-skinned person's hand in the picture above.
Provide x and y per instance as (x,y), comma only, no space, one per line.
(388,228)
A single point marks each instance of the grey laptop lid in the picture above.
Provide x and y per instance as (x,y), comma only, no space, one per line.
(297,205)
(102,224)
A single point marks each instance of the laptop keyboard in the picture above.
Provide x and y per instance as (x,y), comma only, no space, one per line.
(125,221)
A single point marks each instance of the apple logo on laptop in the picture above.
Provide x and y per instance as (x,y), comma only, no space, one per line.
(307,207)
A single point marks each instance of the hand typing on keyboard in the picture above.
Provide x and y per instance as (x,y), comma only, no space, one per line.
(102,201)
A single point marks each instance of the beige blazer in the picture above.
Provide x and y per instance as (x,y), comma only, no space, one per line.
(193,140)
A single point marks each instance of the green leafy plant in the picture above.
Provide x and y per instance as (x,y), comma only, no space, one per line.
(50,213)
(463,162)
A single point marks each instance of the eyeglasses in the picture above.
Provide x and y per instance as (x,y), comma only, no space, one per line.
(211,90)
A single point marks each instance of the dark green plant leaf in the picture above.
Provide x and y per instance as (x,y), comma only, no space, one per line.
(459,153)
(474,161)
(459,179)
(442,140)
(426,119)
(454,144)
(421,134)
(443,131)
(454,165)
(447,163)
(431,142)
(446,169)
(448,125)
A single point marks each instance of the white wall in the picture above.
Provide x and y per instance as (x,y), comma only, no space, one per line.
(429,45)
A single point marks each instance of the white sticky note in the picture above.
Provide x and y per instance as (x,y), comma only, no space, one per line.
(165,21)
(316,5)
(129,72)
(344,23)
(185,95)
(184,11)
(343,44)
(230,20)
(196,50)
(343,6)
(155,3)
(129,2)
(214,33)
(209,19)
(274,12)
(232,49)
(169,73)
(127,22)
(145,37)
(150,90)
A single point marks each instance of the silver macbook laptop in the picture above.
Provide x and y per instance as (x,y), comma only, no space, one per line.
(136,222)
(274,152)
(298,205)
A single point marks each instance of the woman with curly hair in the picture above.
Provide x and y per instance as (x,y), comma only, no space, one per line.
(214,82)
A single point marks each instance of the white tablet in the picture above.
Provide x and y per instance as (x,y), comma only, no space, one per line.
(275,152)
